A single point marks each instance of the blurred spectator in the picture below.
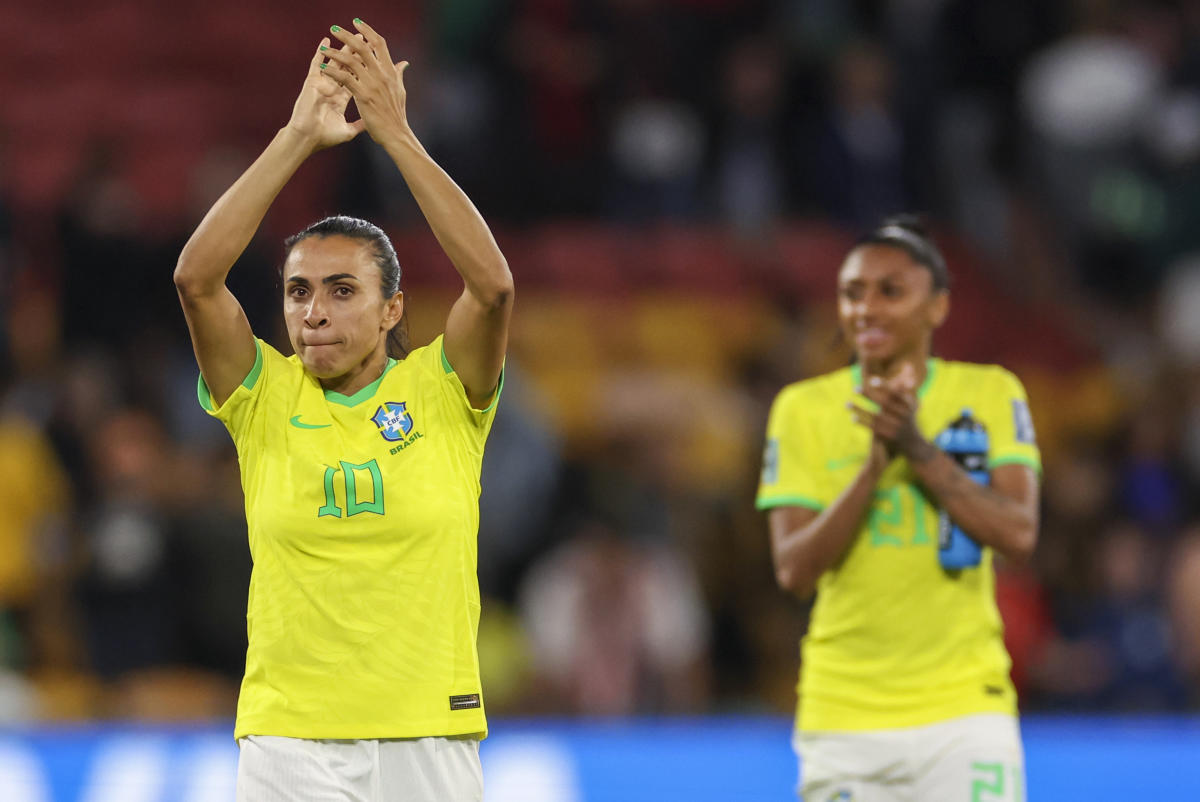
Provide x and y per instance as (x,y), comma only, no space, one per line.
(1132,623)
(1183,595)
(519,480)
(554,131)
(657,147)
(751,174)
(856,162)
(616,625)
(112,282)
(126,590)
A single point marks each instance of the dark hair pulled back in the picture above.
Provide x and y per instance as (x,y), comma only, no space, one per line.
(908,233)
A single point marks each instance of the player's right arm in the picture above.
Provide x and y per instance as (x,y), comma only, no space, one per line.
(221,335)
(806,543)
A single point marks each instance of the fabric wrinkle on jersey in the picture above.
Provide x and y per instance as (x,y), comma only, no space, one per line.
(363,516)
(894,639)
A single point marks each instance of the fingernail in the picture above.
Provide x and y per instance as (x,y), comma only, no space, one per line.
(334,28)
(323,66)
(323,47)
(357,21)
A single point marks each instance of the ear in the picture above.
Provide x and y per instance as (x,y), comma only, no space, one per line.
(393,310)
(939,308)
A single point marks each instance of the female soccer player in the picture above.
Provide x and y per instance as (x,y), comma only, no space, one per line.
(904,689)
(360,467)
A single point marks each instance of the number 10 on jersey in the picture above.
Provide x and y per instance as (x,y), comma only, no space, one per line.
(353,479)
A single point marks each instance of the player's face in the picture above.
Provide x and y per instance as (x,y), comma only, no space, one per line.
(336,316)
(887,306)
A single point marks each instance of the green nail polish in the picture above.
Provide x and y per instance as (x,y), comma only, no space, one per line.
(323,47)
(323,66)
(334,28)
(357,21)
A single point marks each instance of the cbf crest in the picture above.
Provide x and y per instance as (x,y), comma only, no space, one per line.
(393,421)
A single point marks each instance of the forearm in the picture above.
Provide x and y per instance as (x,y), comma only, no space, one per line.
(991,518)
(230,224)
(456,223)
(803,554)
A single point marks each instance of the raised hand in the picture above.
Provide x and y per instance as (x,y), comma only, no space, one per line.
(894,426)
(319,114)
(363,67)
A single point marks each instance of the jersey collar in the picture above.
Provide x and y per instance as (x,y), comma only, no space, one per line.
(361,395)
(931,367)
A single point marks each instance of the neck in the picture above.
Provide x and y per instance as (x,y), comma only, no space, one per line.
(889,368)
(358,377)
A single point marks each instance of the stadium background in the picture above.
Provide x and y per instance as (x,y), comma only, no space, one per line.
(674,183)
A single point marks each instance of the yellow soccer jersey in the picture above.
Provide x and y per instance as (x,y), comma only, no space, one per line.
(363,516)
(895,640)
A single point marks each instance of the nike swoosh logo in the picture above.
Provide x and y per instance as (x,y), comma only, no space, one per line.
(844,462)
(296,422)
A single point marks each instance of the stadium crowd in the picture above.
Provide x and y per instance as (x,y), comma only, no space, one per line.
(672,181)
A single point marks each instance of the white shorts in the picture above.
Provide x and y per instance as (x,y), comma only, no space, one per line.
(272,768)
(975,758)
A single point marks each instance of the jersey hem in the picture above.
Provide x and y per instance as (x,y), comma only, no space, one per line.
(913,722)
(420,729)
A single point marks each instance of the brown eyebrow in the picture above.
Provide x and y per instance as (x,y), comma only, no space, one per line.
(895,274)
(327,280)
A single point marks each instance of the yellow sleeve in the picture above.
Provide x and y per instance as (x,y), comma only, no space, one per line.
(788,479)
(1009,424)
(452,390)
(237,409)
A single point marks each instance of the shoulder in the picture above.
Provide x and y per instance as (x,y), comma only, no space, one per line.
(425,360)
(981,377)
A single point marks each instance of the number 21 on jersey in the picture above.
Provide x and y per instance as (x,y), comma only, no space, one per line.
(899,517)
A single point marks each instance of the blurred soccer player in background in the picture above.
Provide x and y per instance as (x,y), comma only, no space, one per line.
(360,464)
(889,485)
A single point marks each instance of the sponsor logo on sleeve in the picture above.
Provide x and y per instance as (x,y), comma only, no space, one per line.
(1023,422)
(770,469)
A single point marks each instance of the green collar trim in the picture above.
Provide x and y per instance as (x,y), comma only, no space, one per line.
(931,369)
(364,393)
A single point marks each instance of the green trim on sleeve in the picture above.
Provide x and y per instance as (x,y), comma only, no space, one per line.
(496,397)
(1028,462)
(769,502)
(203,394)
(251,379)
(448,368)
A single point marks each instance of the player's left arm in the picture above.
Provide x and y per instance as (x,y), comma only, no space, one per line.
(1003,515)
(477,327)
